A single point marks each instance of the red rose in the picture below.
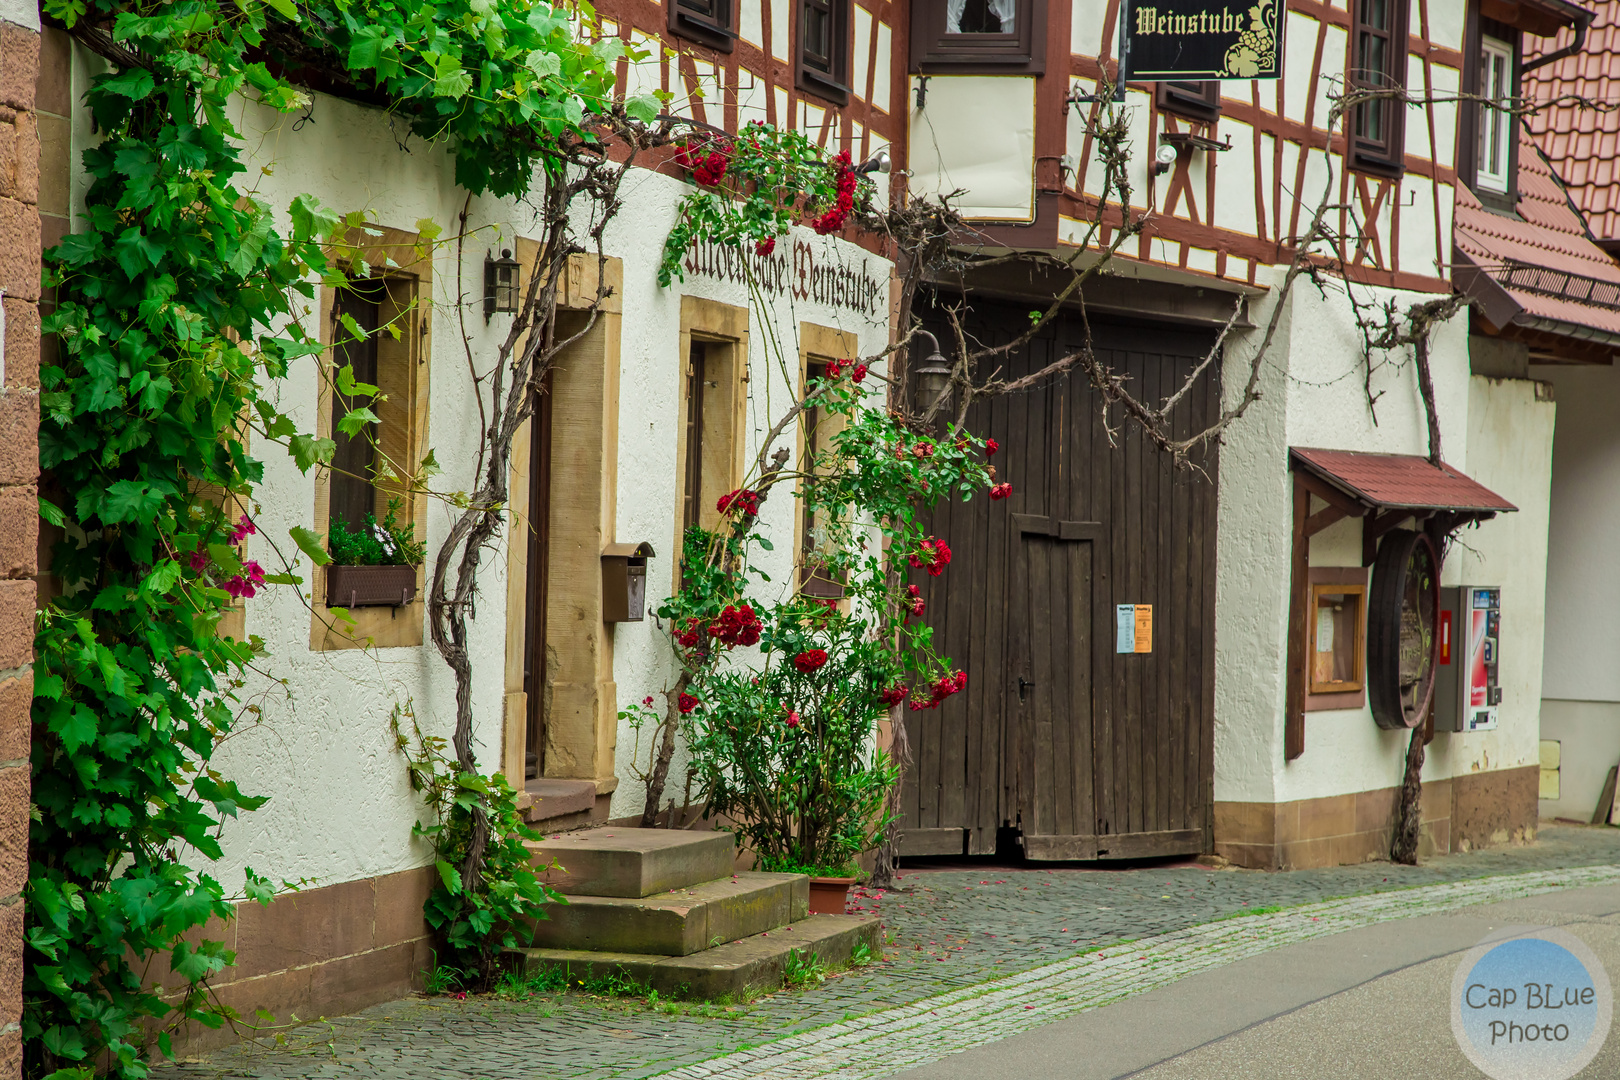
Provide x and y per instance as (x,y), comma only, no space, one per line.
(990,447)
(687,702)
(711,170)
(647,700)
(792,719)
(917,606)
(742,500)
(765,247)
(1000,491)
(810,660)
(894,695)
(858,374)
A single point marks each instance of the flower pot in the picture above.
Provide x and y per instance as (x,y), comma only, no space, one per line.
(829,895)
(370,586)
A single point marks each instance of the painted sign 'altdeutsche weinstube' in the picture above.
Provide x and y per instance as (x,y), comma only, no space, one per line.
(1201,39)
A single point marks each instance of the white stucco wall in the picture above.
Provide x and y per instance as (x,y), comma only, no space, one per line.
(1580,705)
(649,413)
(322,748)
(1315,395)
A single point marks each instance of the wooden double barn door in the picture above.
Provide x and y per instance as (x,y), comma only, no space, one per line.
(1088,752)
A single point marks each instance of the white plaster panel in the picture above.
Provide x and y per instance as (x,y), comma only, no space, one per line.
(861,56)
(1299,47)
(881,84)
(1235,181)
(1201,259)
(751,22)
(751,97)
(1087,26)
(24,13)
(977,134)
(781,15)
(1583,573)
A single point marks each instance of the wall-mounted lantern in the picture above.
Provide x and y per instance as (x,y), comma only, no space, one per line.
(934,375)
(624,582)
(500,284)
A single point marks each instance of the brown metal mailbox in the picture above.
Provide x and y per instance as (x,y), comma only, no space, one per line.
(624,582)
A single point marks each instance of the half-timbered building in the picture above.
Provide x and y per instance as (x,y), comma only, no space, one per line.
(1251,725)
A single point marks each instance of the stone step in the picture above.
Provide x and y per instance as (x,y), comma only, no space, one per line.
(679,922)
(633,862)
(732,971)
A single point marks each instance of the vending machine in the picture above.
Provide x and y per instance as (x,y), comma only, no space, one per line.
(1466,690)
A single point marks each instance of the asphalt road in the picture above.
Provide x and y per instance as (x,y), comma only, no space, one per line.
(1365,1004)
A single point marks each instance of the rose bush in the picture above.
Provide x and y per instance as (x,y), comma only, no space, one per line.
(780,693)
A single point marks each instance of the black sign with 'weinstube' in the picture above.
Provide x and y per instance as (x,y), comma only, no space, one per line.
(1201,39)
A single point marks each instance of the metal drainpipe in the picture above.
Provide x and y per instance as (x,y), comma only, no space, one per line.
(1582,22)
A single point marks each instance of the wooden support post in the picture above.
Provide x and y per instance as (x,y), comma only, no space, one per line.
(1298,587)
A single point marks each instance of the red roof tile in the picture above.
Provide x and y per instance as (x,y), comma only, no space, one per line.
(1551,235)
(1400,481)
(1581,141)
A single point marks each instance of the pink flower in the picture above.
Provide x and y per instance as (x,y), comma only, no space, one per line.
(198,561)
(255,572)
(243,528)
(647,700)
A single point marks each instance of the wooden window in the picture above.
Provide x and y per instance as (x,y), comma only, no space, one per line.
(367,466)
(712,414)
(1494,152)
(692,489)
(1378,36)
(824,43)
(1193,100)
(708,22)
(353,493)
(985,35)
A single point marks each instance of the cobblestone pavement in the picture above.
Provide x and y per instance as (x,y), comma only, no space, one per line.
(950,932)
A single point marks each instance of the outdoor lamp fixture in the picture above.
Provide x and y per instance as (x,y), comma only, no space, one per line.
(934,376)
(878,162)
(500,284)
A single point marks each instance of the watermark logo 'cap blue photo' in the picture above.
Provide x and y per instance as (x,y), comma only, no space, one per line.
(1531,1006)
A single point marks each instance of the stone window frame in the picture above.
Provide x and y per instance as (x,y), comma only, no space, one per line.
(404,371)
(724,327)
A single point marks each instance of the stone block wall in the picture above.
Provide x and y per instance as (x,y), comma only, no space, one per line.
(20,245)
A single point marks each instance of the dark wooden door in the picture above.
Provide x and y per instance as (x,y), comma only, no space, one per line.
(539,526)
(1088,752)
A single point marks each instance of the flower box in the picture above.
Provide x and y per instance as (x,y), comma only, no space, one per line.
(370,586)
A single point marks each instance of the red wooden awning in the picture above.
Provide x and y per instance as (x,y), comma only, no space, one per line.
(1399,482)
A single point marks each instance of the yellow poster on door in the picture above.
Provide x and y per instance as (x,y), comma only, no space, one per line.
(1144,628)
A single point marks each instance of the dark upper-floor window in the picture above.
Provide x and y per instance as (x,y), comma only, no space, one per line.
(1193,100)
(824,48)
(709,22)
(1377,126)
(968,35)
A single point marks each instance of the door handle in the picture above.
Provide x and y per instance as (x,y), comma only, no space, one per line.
(1024,684)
